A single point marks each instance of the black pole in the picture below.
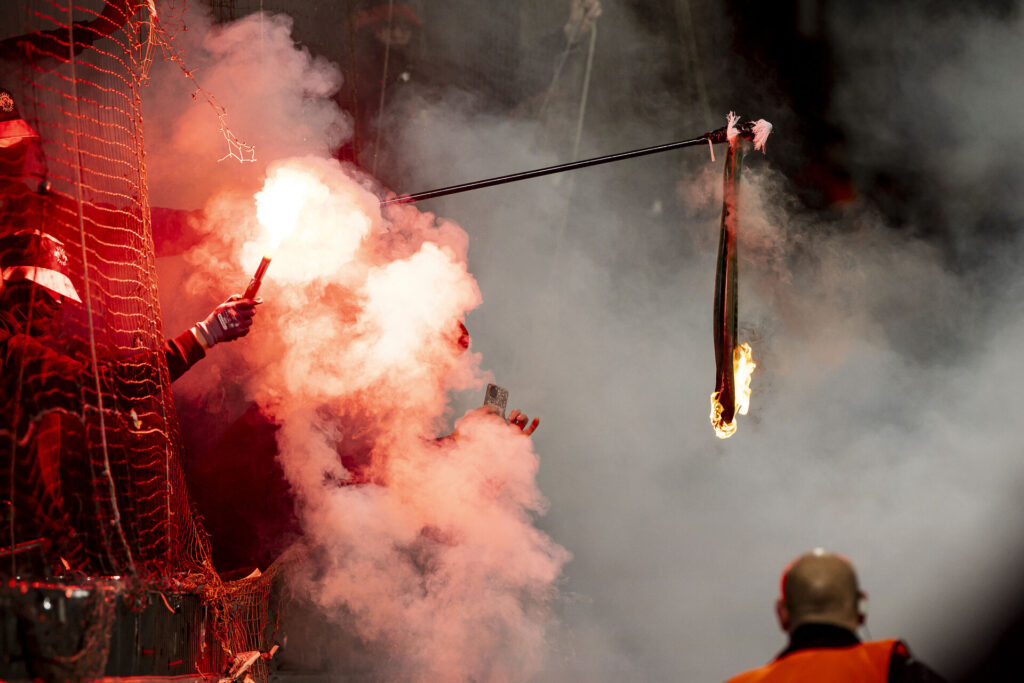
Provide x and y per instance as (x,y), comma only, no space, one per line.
(714,136)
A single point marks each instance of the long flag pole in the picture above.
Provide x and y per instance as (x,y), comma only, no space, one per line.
(756,131)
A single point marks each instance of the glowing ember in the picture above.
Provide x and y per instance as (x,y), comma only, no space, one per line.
(743,370)
(281,200)
(313,230)
(722,431)
(743,365)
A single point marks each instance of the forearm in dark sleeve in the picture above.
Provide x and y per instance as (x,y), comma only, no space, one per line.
(182,353)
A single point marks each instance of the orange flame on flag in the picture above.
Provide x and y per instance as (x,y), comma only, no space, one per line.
(743,370)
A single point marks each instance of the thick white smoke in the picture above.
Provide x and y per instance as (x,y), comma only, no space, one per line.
(428,554)
(274,95)
(435,558)
(875,427)
(877,424)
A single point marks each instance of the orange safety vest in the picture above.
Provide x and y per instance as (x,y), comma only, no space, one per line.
(861,663)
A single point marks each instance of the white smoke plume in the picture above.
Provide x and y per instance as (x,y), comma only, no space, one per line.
(431,558)
(881,422)
(874,426)
(275,96)
(436,558)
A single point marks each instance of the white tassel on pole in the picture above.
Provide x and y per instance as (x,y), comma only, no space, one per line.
(762,129)
(731,131)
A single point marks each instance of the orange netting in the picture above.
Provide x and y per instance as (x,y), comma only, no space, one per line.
(91,443)
(91,483)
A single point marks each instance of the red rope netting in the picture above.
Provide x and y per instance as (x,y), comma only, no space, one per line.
(91,482)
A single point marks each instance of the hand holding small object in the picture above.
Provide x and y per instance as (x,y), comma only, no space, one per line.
(522,421)
(229,321)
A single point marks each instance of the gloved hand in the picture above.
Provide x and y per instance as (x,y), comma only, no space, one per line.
(229,321)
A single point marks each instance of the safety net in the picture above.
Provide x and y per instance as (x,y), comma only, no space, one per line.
(91,479)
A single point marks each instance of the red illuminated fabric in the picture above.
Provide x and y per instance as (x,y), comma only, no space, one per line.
(14,131)
(58,283)
(861,663)
(31,254)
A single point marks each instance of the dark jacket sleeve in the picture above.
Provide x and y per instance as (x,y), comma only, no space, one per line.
(904,668)
(182,353)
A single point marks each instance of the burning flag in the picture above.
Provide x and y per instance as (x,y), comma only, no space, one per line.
(734,363)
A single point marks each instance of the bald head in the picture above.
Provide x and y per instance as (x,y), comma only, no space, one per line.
(819,587)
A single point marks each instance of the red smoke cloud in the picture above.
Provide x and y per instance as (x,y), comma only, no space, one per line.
(356,353)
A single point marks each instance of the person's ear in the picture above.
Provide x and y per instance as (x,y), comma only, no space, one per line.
(862,607)
(782,613)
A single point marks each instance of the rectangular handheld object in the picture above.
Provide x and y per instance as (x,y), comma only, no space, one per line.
(498,397)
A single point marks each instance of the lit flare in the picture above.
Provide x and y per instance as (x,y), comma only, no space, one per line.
(280,201)
(277,208)
(743,371)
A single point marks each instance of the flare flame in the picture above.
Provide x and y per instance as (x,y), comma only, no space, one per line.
(280,202)
(743,370)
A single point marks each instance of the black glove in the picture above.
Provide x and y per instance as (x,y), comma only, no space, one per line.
(229,321)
